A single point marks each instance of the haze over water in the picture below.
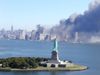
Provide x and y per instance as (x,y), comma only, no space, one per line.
(84,54)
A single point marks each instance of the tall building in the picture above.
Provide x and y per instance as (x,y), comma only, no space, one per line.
(42,36)
(22,35)
(12,29)
(76,37)
(33,35)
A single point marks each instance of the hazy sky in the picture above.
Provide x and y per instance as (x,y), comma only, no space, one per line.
(26,14)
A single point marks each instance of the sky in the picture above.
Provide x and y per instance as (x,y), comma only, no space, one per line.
(26,14)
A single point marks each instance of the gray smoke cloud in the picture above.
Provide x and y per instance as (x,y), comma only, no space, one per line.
(94,4)
(90,20)
(87,22)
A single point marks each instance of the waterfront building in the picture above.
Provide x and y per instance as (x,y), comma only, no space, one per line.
(12,29)
(32,34)
(52,36)
(42,36)
(76,40)
(22,35)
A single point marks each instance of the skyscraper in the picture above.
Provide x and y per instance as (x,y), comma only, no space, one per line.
(12,29)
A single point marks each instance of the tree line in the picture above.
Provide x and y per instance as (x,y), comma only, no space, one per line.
(21,62)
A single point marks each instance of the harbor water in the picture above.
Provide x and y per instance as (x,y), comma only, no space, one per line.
(83,54)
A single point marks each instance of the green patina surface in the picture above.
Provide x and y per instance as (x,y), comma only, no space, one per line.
(55,45)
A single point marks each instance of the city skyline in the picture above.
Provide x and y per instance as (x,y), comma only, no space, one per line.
(26,14)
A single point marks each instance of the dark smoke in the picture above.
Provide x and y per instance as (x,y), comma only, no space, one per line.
(89,22)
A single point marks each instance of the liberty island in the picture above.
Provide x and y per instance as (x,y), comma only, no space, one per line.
(52,64)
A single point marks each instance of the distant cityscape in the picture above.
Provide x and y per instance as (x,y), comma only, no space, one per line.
(21,34)
(77,28)
(42,33)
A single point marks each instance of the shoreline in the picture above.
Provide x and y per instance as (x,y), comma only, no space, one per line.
(71,68)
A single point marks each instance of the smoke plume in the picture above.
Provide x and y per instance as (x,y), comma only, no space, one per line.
(90,20)
(87,22)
